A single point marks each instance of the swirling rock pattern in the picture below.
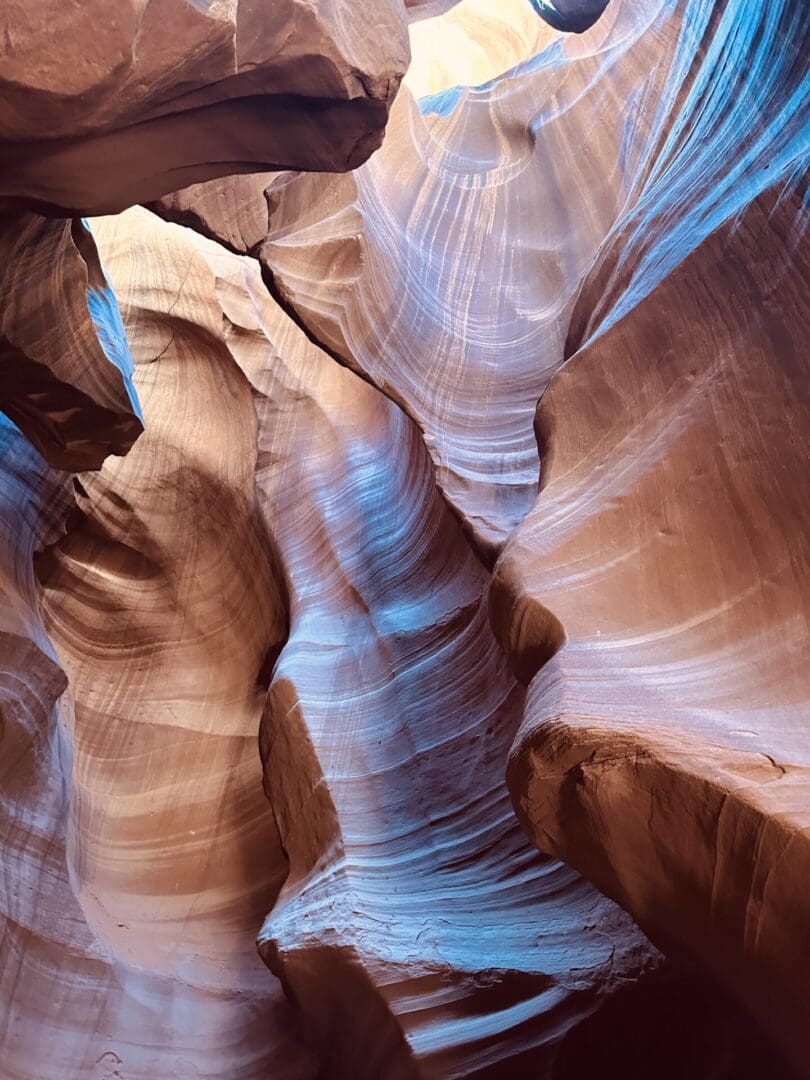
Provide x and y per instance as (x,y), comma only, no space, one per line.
(416,931)
(663,749)
(161,855)
(445,269)
(284,583)
(99,113)
(662,576)
(671,171)
(371,787)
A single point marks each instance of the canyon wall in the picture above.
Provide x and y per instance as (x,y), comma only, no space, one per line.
(414,481)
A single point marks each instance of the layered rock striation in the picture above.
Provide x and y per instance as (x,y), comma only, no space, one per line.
(660,581)
(100,112)
(258,678)
(416,931)
(656,597)
(140,854)
(445,270)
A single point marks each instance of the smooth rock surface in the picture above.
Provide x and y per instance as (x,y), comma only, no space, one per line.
(81,993)
(662,576)
(686,80)
(285,580)
(232,210)
(142,854)
(417,931)
(664,747)
(445,269)
(99,111)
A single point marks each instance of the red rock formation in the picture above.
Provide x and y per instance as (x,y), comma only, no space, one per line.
(284,583)
(445,269)
(416,931)
(232,210)
(65,365)
(140,854)
(388,793)
(99,113)
(663,749)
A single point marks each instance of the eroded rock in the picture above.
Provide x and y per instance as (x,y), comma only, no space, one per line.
(664,749)
(338,442)
(65,365)
(102,112)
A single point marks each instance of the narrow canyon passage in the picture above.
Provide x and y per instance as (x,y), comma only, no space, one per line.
(388,719)
(403,540)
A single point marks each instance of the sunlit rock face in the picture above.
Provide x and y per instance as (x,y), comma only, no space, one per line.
(140,854)
(226,579)
(656,595)
(388,796)
(469,497)
(445,270)
(663,748)
(98,112)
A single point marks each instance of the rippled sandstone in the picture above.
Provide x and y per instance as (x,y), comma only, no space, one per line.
(250,679)
(299,543)
(141,852)
(445,269)
(656,596)
(659,586)
(100,112)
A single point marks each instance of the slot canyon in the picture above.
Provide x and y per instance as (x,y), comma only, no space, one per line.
(404,539)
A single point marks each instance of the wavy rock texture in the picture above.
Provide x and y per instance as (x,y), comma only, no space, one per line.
(98,113)
(338,442)
(662,575)
(416,931)
(141,854)
(664,748)
(663,171)
(416,928)
(99,978)
(39,912)
(65,362)
(445,269)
